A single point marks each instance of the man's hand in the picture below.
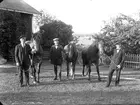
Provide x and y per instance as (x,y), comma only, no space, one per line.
(17,64)
(33,51)
(119,66)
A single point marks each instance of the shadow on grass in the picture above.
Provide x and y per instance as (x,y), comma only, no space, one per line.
(64,80)
(79,79)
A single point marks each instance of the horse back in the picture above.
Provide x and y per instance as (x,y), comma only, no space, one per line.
(93,52)
(90,54)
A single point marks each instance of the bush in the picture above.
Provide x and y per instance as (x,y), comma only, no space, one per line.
(11,26)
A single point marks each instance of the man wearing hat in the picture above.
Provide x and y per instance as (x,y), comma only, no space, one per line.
(56,57)
(22,58)
(117,62)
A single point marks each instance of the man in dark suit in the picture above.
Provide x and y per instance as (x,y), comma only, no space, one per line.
(56,57)
(22,58)
(116,64)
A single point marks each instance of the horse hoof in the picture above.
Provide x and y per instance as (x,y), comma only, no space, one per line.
(107,86)
(116,84)
(86,75)
(34,82)
(16,74)
(55,79)
(99,79)
(31,76)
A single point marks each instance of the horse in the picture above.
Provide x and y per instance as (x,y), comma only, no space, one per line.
(71,55)
(37,56)
(91,55)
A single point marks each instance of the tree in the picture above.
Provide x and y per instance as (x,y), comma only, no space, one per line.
(43,18)
(11,26)
(58,29)
(122,29)
(53,28)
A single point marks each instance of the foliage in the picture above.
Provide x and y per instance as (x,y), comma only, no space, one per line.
(56,29)
(11,26)
(53,28)
(43,18)
(124,30)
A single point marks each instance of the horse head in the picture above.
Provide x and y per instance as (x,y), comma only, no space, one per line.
(70,49)
(36,43)
(29,42)
(36,40)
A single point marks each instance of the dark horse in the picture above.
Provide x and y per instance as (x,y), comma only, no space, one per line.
(37,56)
(71,55)
(91,55)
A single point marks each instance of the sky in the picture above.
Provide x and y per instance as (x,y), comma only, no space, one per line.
(86,16)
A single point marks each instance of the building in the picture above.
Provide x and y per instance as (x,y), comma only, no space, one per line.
(21,7)
(26,14)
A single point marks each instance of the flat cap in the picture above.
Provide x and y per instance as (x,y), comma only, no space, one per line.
(22,36)
(56,39)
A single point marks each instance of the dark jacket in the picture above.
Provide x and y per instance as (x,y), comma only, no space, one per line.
(22,55)
(118,58)
(56,55)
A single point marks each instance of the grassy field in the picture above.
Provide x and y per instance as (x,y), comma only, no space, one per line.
(69,92)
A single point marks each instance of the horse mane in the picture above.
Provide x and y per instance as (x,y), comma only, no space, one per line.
(36,38)
(70,51)
(73,46)
(30,43)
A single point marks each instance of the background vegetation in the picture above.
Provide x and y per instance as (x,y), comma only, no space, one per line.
(11,26)
(120,29)
(53,28)
(124,30)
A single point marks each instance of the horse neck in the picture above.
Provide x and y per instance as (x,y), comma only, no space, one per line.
(100,46)
(71,50)
(37,45)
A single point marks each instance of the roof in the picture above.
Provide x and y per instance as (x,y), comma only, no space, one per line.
(18,6)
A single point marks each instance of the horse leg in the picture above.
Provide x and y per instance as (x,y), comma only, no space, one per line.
(67,70)
(38,72)
(73,68)
(31,71)
(89,70)
(34,74)
(97,68)
(83,70)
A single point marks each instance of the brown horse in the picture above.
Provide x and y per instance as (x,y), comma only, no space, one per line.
(71,55)
(91,55)
(37,56)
